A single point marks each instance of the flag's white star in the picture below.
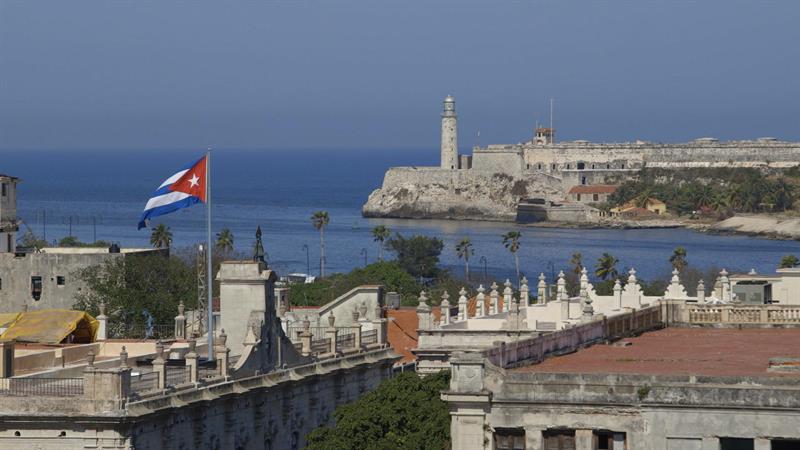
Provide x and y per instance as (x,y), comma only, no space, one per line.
(193,181)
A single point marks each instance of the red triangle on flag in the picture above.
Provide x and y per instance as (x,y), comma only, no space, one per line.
(193,182)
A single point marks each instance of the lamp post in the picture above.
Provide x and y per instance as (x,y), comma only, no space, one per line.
(483,261)
(552,268)
(364,252)
(308,261)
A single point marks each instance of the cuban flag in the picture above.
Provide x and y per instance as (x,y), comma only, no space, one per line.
(182,190)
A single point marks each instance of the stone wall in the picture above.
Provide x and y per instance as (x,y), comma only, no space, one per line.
(412,192)
(16,274)
(275,410)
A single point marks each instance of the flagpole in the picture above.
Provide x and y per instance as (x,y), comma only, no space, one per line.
(209,280)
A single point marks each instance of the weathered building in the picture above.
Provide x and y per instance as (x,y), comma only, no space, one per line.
(48,279)
(9,226)
(259,391)
(676,388)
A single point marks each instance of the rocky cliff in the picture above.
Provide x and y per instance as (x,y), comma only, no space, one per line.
(433,193)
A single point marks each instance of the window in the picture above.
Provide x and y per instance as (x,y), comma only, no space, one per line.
(509,438)
(583,180)
(36,287)
(785,444)
(568,166)
(735,444)
(579,197)
(595,197)
(623,166)
(1,284)
(61,280)
(581,166)
(553,167)
(5,189)
(559,439)
(608,440)
(540,167)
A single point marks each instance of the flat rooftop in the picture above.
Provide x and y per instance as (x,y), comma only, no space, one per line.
(683,351)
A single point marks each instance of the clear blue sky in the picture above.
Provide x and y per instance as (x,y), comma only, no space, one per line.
(371,74)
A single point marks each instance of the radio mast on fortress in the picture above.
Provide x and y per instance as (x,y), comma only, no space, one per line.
(449,134)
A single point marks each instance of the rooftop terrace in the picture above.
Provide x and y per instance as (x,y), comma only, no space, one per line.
(683,351)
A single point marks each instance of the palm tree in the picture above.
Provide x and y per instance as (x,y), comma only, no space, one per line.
(464,250)
(577,261)
(704,196)
(643,198)
(380,234)
(784,194)
(789,261)
(161,236)
(225,240)
(678,259)
(605,267)
(719,202)
(511,242)
(320,220)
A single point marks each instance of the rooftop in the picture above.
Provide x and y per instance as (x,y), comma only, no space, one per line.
(684,351)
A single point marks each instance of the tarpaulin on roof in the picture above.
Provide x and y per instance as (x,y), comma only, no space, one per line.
(53,326)
(7,319)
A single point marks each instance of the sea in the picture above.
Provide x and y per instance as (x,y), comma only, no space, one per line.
(99,195)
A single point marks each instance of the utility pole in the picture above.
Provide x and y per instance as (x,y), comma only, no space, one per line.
(201,288)
(552,130)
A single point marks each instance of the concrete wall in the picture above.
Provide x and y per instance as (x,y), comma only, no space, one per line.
(16,273)
(274,411)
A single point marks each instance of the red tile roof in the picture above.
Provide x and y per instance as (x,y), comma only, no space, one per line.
(402,332)
(684,351)
(593,189)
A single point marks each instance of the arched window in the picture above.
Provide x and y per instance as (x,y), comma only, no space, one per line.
(581,166)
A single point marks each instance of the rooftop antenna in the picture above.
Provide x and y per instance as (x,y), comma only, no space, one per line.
(478,138)
(552,130)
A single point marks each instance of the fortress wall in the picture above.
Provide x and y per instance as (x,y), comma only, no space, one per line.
(713,154)
(498,162)
(397,176)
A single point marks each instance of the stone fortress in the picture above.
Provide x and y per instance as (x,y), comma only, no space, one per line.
(493,181)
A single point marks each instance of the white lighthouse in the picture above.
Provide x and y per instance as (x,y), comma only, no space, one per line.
(449,134)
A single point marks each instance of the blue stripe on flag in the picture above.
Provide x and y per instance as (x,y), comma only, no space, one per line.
(166,209)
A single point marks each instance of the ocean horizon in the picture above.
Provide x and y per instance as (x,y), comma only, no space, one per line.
(102,194)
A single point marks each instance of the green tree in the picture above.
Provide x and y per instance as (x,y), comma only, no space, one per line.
(511,242)
(161,237)
(320,220)
(30,240)
(678,259)
(703,196)
(137,287)
(418,255)
(225,240)
(606,267)
(577,261)
(464,250)
(784,194)
(789,261)
(379,234)
(404,412)
(72,241)
(386,273)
